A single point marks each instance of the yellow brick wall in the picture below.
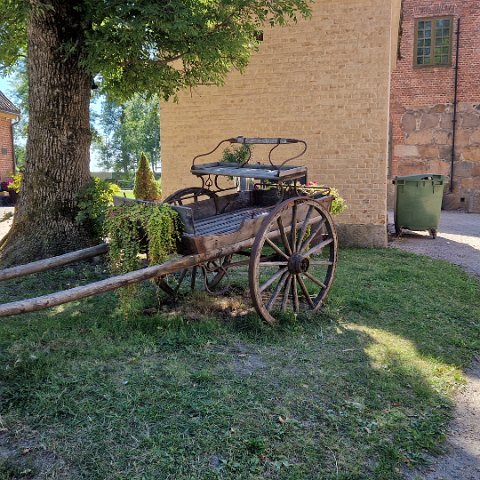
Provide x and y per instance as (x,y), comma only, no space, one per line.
(325,80)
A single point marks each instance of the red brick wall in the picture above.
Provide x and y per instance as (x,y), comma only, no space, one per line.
(422,100)
(6,142)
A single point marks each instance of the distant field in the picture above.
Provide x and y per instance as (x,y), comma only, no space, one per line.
(128,193)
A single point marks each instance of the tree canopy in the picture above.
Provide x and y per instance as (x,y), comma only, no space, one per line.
(155,47)
(127,47)
(127,130)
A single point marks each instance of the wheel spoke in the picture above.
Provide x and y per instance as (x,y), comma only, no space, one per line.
(296,306)
(183,274)
(304,227)
(312,235)
(272,279)
(321,262)
(305,291)
(273,264)
(314,280)
(293,230)
(284,236)
(318,247)
(194,276)
(275,247)
(286,292)
(277,290)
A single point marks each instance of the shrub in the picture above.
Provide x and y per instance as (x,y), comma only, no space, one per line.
(146,187)
(339,205)
(93,203)
(236,155)
(17,182)
(135,229)
(312,188)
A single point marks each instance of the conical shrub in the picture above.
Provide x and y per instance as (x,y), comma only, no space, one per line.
(146,188)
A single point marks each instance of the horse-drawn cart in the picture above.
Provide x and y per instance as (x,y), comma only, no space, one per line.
(277,226)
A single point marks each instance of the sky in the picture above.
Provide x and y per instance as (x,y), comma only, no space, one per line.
(5,86)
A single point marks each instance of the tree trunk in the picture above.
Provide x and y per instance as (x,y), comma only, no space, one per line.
(57,157)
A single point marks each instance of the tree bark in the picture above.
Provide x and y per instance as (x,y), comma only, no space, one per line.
(57,156)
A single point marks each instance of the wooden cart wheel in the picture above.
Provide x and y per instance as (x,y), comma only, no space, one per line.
(213,273)
(293,259)
(189,195)
(208,276)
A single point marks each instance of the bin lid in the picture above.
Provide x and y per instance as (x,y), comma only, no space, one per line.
(437,178)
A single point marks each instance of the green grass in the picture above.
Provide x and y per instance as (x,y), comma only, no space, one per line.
(127,193)
(193,392)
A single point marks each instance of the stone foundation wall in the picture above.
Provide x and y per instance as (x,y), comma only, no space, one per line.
(425,146)
(365,235)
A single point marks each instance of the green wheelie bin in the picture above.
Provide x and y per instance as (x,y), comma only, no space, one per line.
(418,202)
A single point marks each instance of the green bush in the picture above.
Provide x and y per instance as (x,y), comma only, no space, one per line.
(17,182)
(146,187)
(339,205)
(93,203)
(135,229)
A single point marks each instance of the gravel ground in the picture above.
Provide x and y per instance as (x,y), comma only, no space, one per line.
(458,242)
(5,224)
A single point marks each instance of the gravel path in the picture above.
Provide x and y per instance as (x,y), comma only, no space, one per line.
(458,241)
(5,224)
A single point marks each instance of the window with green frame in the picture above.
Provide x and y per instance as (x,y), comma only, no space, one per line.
(433,41)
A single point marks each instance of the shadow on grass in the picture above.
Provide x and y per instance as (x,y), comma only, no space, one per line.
(354,393)
(428,302)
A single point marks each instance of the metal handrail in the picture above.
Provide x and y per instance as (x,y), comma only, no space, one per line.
(275,141)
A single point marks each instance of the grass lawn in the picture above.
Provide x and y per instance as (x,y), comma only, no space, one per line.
(127,193)
(361,391)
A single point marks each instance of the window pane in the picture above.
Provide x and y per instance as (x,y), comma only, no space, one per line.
(433,42)
(443,23)
(442,41)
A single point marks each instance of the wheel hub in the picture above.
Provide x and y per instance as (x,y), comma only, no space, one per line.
(298,263)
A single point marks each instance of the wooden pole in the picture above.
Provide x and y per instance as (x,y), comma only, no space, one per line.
(109,284)
(53,262)
(103,286)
